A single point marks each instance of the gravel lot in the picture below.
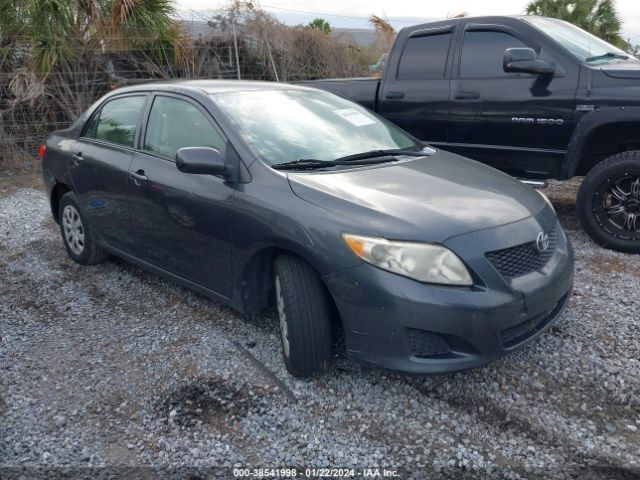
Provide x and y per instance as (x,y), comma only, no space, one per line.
(112,366)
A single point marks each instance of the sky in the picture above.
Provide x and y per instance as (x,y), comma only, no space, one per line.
(401,13)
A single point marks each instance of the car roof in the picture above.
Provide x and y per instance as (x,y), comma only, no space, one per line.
(211,86)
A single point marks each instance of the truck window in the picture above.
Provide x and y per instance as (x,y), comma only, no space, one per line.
(483,51)
(424,57)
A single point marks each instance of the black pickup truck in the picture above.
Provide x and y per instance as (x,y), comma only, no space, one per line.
(532,96)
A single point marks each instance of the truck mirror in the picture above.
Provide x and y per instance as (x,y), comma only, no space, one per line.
(525,60)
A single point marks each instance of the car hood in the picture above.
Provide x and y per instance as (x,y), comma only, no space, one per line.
(427,199)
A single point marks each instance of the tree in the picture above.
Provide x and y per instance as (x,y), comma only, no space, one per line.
(320,24)
(57,32)
(598,17)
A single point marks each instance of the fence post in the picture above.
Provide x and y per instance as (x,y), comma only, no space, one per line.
(273,64)
(235,46)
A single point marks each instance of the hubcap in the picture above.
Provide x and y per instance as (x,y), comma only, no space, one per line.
(618,203)
(284,331)
(73,229)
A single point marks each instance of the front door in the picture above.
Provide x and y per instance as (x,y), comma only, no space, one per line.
(182,220)
(520,123)
(100,161)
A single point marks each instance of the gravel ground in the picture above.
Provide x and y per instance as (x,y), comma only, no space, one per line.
(110,366)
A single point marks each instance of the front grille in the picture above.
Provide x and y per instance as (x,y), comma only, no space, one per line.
(522,259)
(427,344)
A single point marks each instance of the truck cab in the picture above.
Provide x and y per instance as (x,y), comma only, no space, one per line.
(471,106)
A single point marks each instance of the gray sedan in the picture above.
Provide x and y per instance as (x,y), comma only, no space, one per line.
(260,193)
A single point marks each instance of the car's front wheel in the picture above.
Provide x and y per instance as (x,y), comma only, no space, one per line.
(304,313)
(76,233)
(609,202)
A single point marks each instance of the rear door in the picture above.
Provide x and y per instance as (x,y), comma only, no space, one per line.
(100,161)
(415,92)
(517,122)
(182,221)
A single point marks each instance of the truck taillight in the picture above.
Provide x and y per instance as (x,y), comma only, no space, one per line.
(43,150)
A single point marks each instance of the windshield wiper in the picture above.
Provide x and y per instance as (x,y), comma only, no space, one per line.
(364,158)
(381,153)
(606,55)
(312,163)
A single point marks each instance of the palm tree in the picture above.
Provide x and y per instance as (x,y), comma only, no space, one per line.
(320,24)
(598,17)
(58,33)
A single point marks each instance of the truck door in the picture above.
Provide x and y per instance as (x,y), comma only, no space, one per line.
(415,91)
(518,122)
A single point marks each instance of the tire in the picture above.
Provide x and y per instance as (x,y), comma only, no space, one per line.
(608,203)
(77,235)
(304,312)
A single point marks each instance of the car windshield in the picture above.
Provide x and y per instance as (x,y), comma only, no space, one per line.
(286,125)
(587,47)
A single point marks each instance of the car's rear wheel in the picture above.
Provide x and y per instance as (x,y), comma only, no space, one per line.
(609,202)
(304,312)
(76,233)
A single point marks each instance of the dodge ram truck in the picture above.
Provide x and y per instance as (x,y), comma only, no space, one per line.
(535,97)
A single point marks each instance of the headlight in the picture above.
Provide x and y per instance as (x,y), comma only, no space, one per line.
(546,199)
(424,262)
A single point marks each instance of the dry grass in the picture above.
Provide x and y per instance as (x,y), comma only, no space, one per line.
(14,179)
(19,163)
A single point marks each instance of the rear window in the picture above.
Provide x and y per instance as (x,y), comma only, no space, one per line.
(424,57)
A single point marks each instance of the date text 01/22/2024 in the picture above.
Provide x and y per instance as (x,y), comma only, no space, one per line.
(315,473)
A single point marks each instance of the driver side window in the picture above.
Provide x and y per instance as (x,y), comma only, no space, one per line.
(174,124)
(483,52)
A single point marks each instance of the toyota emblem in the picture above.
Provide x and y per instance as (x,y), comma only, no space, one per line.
(542,242)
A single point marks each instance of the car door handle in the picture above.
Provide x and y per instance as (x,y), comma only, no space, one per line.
(466,95)
(138,176)
(394,95)
(77,158)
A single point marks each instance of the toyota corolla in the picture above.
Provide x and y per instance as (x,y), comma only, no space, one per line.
(260,193)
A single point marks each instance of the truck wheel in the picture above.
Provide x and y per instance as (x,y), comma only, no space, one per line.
(76,234)
(305,316)
(609,202)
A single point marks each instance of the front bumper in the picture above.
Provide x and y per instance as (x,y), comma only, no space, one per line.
(400,324)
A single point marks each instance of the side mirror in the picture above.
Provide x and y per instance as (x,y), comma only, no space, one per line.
(525,60)
(203,160)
